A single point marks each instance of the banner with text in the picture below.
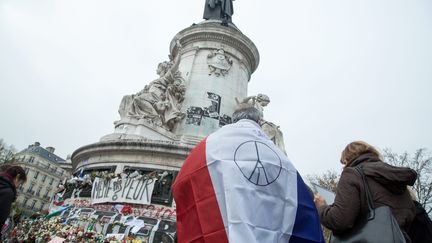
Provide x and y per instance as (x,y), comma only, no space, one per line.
(126,190)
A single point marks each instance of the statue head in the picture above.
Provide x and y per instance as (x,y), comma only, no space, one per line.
(262,99)
(163,68)
(247,111)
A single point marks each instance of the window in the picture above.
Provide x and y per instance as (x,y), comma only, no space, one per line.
(44,178)
(24,201)
(51,181)
(27,170)
(46,193)
(30,189)
(36,175)
(33,204)
(38,191)
(31,160)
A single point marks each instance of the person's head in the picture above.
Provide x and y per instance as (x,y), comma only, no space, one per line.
(4,167)
(247,111)
(18,174)
(355,149)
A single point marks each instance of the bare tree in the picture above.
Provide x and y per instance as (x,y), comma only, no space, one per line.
(421,162)
(328,179)
(6,152)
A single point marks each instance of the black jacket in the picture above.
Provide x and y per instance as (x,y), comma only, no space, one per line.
(7,197)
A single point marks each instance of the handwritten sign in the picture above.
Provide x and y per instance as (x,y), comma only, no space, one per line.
(127,190)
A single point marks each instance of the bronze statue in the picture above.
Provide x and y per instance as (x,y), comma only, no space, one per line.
(219,10)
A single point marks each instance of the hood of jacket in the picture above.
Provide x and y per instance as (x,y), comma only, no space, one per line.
(395,179)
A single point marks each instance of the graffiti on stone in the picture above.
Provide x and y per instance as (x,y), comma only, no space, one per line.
(195,115)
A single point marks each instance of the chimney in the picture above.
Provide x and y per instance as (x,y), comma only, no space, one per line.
(50,149)
(36,144)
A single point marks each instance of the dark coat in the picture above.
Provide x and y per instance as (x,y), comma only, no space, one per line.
(7,196)
(388,186)
(218,9)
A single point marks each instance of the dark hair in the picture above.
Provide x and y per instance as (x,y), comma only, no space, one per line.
(17,172)
(4,167)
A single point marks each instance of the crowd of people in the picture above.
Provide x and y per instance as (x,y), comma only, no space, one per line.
(249,197)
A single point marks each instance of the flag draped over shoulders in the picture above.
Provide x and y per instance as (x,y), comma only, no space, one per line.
(237,186)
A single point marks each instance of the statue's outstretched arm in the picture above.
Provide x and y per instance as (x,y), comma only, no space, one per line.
(246,100)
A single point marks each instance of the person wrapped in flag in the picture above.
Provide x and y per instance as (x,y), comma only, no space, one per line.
(237,186)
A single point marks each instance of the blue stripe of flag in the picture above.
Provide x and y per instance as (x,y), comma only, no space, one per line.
(307,227)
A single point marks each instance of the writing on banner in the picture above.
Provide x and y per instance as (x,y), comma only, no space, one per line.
(126,190)
(151,210)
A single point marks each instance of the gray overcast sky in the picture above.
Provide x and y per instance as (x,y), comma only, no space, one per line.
(335,70)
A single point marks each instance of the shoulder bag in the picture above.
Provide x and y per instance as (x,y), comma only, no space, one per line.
(379,226)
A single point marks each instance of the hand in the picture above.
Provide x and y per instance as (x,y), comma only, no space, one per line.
(319,200)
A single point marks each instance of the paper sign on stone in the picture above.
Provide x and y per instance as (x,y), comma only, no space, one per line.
(57,240)
(126,190)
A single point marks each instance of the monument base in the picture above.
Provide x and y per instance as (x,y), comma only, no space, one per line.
(132,128)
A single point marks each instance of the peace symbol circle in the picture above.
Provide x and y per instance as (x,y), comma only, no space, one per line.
(258,162)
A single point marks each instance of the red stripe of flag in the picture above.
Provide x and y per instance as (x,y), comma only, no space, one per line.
(198,214)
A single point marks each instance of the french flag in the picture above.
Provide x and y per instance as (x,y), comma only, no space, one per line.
(237,186)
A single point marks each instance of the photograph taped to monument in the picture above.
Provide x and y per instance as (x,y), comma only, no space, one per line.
(194,115)
(224,119)
(328,195)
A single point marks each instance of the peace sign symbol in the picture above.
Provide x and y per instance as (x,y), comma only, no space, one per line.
(258,163)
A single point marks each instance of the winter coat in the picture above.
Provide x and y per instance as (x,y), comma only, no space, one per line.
(388,186)
(7,196)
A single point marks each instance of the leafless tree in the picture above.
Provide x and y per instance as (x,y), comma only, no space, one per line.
(421,162)
(6,152)
(328,179)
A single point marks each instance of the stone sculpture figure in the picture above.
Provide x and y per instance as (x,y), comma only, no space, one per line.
(160,101)
(270,129)
(219,10)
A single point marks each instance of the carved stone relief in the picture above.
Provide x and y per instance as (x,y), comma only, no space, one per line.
(219,63)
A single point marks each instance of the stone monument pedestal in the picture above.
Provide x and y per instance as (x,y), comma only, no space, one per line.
(194,96)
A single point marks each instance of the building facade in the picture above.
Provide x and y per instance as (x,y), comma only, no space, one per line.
(45,171)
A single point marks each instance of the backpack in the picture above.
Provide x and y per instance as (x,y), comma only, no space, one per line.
(421,226)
